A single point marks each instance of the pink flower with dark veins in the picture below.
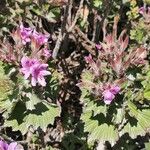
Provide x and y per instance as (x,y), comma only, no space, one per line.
(109,93)
(40,38)
(27,64)
(25,34)
(38,73)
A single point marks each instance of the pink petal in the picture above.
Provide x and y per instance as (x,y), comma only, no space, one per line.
(41,81)
(43,66)
(24,42)
(115,89)
(21,26)
(106,101)
(3,145)
(108,95)
(24,60)
(98,46)
(12,146)
(45,73)
(35,34)
(33,81)
(26,75)
(27,39)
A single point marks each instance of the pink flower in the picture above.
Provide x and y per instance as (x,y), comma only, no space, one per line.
(5,146)
(27,64)
(40,38)
(108,96)
(110,92)
(25,34)
(34,68)
(38,73)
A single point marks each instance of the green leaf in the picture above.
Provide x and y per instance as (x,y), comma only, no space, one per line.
(147,2)
(138,122)
(147,146)
(32,101)
(6,85)
(95,108)
(147,95)
(97,3)
(99,131)
(87,75)
(118,118)
(52,88)
(21,119)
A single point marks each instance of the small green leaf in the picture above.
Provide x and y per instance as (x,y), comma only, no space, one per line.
(87,75)
(147,95)
(147,146)
(97,3)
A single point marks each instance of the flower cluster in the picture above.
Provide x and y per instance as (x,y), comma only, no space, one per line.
(11,146)
(27,34)
(13,52)
(35,69)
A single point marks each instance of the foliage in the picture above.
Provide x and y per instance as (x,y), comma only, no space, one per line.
(75,74)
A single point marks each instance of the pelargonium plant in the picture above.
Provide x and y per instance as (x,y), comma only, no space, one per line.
(27,80)
(113,90)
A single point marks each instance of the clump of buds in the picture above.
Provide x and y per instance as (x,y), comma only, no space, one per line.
(94,66)
(110,68)
(114,51)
